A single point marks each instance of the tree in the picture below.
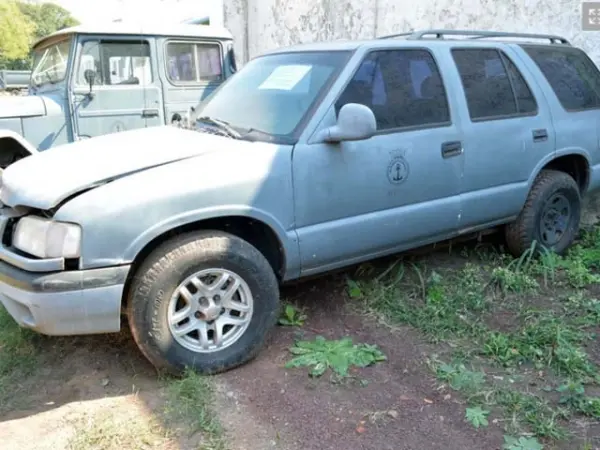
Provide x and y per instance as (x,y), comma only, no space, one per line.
(23,23)
(15,36)
(47,18)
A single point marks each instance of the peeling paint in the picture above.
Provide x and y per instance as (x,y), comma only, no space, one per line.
(261,25)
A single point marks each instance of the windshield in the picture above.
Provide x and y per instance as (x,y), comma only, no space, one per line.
(273,94)
(50,63)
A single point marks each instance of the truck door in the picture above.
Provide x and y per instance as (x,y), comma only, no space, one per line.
(193,69)
(125,93)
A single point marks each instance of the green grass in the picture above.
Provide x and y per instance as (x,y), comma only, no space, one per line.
(19,356)
(525,320)
(190,400)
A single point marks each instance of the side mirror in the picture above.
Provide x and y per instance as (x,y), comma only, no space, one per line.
(355,122)
(90,76)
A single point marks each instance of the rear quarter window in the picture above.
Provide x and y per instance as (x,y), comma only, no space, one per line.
(573,76)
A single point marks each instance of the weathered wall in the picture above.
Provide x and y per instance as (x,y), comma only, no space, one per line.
(260,25)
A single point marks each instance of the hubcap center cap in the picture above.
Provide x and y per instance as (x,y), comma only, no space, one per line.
(211,313)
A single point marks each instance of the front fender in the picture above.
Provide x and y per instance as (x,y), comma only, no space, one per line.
(13,147)
(287,239)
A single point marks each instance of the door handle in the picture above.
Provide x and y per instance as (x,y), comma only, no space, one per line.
(540,135)
(151,112)
(450,149)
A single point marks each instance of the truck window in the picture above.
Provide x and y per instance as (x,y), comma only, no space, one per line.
(494,87)
(574,78)
(116,63)
(50,64)
(193,62)
(403,88)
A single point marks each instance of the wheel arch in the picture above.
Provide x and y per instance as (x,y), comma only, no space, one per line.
(574,162)
(13,147)
(257,232)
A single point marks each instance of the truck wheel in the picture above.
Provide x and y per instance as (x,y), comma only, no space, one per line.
(205,301)
(550,216)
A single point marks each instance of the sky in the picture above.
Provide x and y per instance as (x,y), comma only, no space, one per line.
(146,10)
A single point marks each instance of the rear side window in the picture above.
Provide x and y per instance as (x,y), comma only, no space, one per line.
(493,85)
(574,78)
(194,62)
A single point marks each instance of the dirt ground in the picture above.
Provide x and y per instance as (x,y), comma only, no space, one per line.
(261,405)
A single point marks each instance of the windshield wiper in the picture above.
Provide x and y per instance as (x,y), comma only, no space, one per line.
(220,124)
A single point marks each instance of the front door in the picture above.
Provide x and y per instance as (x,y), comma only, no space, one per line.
(399,189)
(126,93)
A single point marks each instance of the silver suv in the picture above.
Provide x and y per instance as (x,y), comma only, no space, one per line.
(310,158)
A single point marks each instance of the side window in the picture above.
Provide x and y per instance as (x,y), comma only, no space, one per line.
(526,103)
(116,63)
(493,85)
(574,78)
(403,88)
(190,62)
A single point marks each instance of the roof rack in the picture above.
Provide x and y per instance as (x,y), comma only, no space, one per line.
(439,34)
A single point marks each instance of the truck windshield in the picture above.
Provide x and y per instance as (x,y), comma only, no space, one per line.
(271,95)
(50,63)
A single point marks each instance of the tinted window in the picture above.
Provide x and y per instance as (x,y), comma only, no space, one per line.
(526,103)
(116,63)
(493,85)
(194,62)
(573,76)
(402,87)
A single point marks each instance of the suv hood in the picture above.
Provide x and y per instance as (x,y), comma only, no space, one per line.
(21,106)
(47,178)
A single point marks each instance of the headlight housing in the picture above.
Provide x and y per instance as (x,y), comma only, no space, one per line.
(46,238)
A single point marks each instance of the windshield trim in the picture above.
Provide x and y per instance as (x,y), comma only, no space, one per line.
(42,50)
(292,137)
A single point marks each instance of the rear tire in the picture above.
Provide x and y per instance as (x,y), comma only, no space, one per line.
(204,300)
(550,217)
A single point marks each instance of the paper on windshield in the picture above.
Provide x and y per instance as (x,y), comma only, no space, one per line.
(285,78)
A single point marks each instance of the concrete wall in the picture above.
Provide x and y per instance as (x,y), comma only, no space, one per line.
(260,25)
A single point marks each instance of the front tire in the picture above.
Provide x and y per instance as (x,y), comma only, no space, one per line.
(205,300)
(550,217)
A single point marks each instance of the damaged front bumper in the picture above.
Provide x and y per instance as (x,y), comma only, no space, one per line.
(39,294)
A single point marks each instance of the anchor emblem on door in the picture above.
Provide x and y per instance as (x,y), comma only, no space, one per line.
(397,171)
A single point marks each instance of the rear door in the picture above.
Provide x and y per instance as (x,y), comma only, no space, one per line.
(126,92)
(507,131)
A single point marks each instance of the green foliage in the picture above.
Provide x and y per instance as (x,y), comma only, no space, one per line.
(15,35)
(477,416)
(522,443)
(339,355)
(573,395)
(292,317)
(459,378)
(21,24)
(47,18)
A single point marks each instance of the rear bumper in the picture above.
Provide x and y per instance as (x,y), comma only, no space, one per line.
(64,303)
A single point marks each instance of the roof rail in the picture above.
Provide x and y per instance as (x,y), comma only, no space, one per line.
(439,34)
